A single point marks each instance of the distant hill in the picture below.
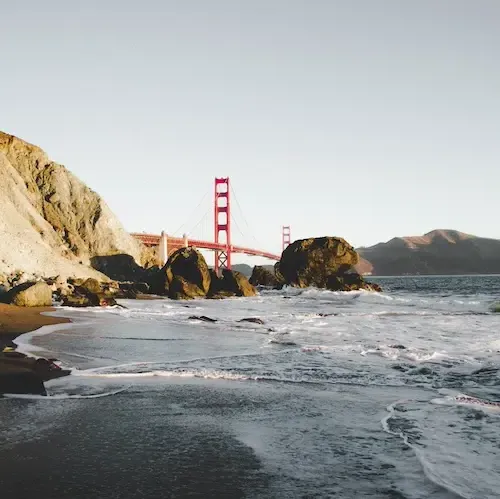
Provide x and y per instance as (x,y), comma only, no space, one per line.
(437,252)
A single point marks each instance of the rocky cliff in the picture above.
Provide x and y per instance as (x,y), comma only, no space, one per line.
(437,252)
(51,223)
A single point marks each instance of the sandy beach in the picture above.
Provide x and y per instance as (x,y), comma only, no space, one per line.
(20,373)
(18,320)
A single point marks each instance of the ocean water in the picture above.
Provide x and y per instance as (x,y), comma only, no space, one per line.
(350,395)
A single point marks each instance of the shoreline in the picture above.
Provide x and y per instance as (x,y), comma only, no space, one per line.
(15,321)
(19,372)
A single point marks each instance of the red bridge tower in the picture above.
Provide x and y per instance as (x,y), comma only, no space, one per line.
(222,215)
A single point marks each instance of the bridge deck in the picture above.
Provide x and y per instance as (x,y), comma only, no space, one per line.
(178,242)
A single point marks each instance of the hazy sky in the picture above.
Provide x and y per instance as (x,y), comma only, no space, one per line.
(365,119)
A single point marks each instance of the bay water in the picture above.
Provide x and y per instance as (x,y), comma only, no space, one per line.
(350,395)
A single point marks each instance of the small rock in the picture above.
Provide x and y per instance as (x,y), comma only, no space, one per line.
(202,318)
(284,343)
(255,320)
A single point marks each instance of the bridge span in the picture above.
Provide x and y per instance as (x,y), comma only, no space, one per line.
(222,245)
(174,243)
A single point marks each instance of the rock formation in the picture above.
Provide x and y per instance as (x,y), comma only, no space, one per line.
(91,293)
(51,223)
(263,277)
(22,374)
(310,262)
(29,294)
(325,262)
(441,252)
(231,283)
(186,275)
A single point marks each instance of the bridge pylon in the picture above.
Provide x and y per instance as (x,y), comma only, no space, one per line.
(163,248)
(222,218)
(285,237)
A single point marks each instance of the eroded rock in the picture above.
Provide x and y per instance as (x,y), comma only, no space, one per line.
(324,262)
(310,262)
(185,275)
(231,283)
(263,277)
(30,294)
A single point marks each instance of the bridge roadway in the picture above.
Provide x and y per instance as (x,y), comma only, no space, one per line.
(175,243)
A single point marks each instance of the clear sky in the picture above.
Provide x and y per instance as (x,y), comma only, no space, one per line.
(366,119)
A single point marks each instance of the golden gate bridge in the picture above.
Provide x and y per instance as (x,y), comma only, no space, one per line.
(222,243)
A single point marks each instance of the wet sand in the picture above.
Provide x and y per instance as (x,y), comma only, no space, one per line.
(20,373)
(18,320)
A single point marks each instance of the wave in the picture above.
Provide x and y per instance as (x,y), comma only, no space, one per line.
(427,467)
(397,352)
(62,396)
(140,338)
(232,375)
(23,342)
(198,373)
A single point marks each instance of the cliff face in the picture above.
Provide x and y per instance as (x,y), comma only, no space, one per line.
(50,222)
(437,252)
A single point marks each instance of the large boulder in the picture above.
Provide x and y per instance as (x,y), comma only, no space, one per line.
(231,283)
(182,289)
(186,275)
(263,277)
(30,294)
(310,262)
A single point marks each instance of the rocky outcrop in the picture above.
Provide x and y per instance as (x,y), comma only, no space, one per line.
(51,223)
(133,290)
(29,294)
(231,283)
(122,267)
(18,380)
(91,293)
(263,277)
(439,252)
(185,275)
(22,374)
(325,262)
(310,262)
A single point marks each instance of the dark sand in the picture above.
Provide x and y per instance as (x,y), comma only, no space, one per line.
(18,320)
(18,372)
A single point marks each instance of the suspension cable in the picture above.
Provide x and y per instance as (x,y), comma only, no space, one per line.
(202,219)
(243,216)
(192,213)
